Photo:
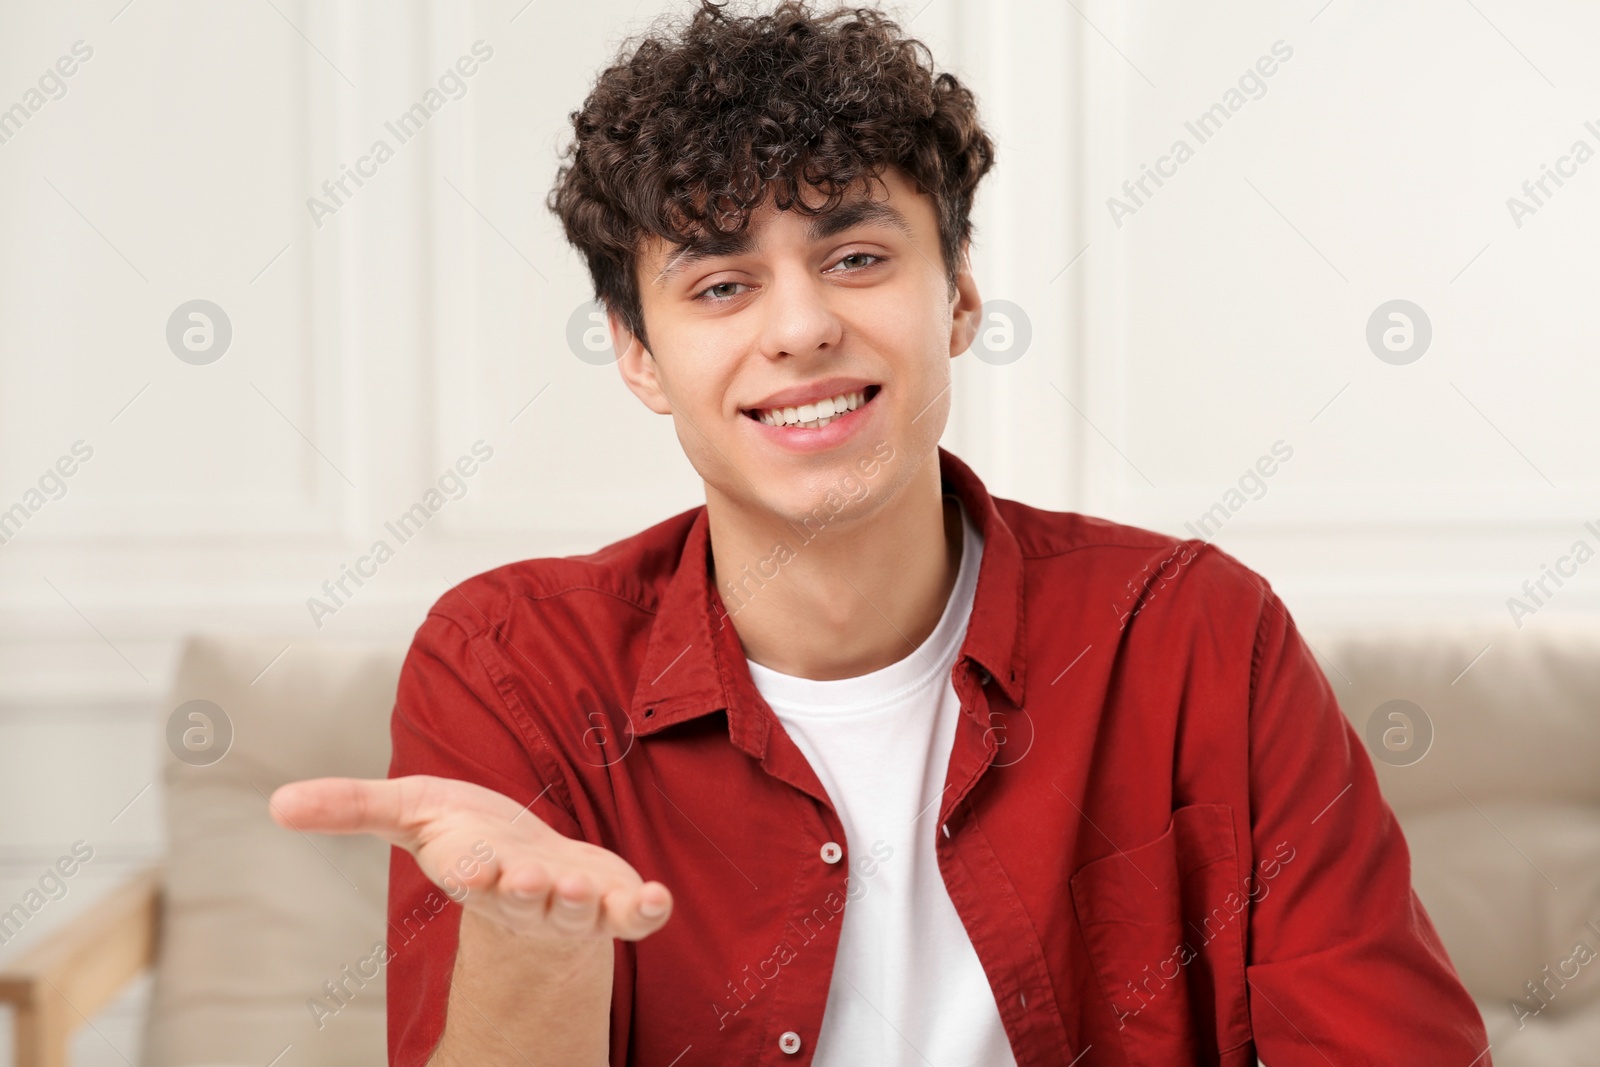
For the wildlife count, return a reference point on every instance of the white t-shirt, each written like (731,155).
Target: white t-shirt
(907,987)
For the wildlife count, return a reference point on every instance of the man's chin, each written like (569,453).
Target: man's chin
(833,488)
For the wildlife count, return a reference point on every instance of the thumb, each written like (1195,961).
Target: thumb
(390,808)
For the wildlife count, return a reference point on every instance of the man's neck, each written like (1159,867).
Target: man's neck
(855,597)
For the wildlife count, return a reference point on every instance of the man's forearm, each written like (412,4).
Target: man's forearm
(517,1001)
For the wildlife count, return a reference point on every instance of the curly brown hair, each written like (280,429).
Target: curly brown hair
(724,111)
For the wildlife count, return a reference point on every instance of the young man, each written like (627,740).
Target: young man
(856,763)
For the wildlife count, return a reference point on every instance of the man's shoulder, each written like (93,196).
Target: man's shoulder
(628,574)
(1042,532)
(1079,547)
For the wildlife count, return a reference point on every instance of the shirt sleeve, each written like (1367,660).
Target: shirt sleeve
(450,720)
(1343,964)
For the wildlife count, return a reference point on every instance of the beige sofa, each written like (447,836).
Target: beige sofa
(260,938)
(1502,815)
(244,922)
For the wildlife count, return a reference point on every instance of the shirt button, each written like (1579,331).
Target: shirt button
(789,1042)
(831,852)
(946,828)
(983,676)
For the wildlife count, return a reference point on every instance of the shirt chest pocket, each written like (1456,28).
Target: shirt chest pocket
(1164,925)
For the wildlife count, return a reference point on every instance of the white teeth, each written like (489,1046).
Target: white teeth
(816,415)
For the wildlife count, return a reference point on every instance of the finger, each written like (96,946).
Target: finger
(574,906)
(634,914)
(385,806)
(522,898)
(390,808)
(529,882)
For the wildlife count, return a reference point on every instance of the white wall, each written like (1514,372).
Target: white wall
(369,352)
(1230,310)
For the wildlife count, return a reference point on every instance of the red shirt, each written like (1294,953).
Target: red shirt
(1164,838)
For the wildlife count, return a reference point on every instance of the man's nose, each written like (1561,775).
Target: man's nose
(799,314)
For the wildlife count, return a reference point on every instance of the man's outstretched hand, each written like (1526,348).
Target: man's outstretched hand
(487,853)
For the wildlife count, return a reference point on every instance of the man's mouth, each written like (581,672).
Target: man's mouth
(816,415)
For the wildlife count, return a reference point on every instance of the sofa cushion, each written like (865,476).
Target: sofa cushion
(268,935)
(1501,812)
(1512,713)
(1511,888)
(1543,1041)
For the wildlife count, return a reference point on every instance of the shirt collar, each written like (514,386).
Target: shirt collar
(695,665)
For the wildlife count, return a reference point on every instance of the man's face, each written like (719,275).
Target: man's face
(853,304)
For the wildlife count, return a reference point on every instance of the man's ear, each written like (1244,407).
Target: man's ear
(966,308)
(637,365)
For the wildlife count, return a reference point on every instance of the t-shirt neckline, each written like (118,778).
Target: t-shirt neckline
(931,659)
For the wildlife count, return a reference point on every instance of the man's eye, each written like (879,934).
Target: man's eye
(701,295)
(861,255)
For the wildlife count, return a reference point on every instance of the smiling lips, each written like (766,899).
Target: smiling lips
(815,415)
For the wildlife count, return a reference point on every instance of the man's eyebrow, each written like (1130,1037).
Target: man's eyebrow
(855,213)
